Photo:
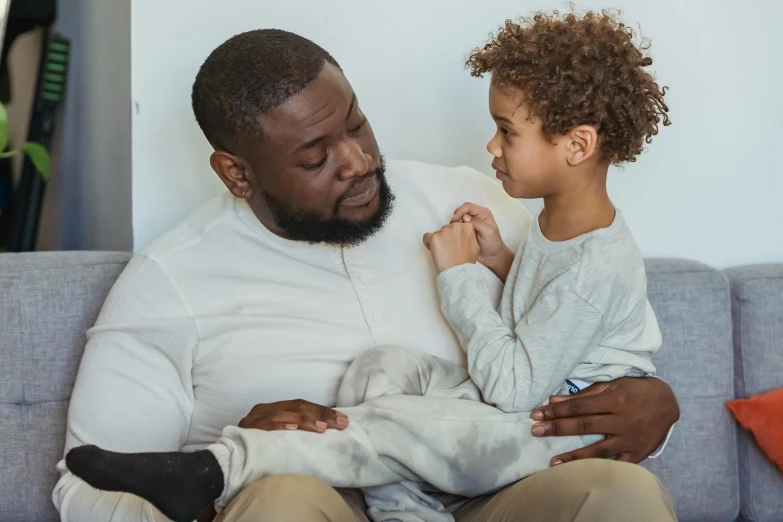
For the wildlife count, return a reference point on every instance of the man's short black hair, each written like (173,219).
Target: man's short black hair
(248,75)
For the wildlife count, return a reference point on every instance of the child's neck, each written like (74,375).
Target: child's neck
(580,209)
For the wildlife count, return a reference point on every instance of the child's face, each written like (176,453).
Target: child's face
(525,161)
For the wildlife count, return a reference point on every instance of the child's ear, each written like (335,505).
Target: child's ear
(581,144)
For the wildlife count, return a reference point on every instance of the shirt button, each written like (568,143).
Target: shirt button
(377,317)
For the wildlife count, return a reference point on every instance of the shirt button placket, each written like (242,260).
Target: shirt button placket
(364,285)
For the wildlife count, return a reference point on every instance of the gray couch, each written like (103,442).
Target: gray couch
(714,473)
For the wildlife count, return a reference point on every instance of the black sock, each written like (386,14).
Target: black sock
(180,485)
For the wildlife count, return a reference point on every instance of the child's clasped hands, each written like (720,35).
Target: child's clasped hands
(472,235)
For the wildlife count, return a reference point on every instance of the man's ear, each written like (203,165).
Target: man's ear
(232,170)
(581,144)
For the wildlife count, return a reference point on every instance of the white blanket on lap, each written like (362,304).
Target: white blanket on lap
(414,420)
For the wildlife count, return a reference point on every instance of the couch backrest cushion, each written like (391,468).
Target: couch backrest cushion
(693,307)
(758,350)
(47,303)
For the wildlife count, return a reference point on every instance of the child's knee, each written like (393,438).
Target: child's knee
(380,371)
(384,360)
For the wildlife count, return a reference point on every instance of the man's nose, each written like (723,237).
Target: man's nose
(355,162)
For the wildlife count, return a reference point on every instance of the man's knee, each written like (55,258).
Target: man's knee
(287,497)
(610,476)
(598,490)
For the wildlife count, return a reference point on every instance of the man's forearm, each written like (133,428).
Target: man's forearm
(674,415)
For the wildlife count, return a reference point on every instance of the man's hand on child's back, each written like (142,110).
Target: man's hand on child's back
(494,253)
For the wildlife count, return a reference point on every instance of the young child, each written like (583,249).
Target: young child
(570,97)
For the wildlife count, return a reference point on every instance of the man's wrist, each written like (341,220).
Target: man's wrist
(659,450)
(674,416)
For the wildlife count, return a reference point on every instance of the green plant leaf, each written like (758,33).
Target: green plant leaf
(3,128)
(9,154)
(40,158)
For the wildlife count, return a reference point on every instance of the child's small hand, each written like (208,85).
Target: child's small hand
(494,254)
(487,231)
(455,244)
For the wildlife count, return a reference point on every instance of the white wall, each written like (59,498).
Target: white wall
(710,188)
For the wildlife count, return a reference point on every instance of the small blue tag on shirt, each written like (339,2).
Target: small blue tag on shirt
(576,385)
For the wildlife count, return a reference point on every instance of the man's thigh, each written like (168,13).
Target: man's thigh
(581,491)
(299,498)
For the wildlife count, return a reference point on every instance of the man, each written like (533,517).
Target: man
(267,293)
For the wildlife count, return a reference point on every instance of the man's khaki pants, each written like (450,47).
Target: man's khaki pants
(581,491)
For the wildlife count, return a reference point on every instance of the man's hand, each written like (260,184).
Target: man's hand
(493,254)
(635,414)
(455,244)
(294,415)
(287,415)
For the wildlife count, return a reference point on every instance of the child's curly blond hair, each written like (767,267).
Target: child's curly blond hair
(579,70)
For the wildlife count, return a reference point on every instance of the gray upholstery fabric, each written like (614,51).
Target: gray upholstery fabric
(699,466)
(758,352)
(47,302)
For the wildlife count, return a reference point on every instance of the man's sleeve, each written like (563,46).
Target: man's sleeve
(133,391)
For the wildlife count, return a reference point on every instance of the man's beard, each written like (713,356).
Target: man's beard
(312,228)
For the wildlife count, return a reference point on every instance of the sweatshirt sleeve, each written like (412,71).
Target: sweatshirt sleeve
(133,391)
(518,368)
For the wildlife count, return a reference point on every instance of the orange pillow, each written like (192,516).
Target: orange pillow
(763,416)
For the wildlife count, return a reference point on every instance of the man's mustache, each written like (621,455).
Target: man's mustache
(357,181)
